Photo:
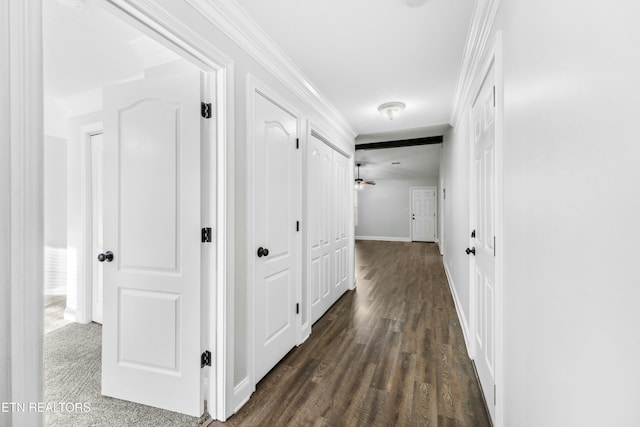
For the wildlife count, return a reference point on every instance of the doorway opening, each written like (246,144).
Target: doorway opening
(90,52)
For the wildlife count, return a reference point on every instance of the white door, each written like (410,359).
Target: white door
(277,251)
(341,184)
(484,219)
(152,292)
(423,214)
(320,207)
(328,204)
(97,175)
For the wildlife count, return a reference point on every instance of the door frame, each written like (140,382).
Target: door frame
(84,290)
(493,56)
(254,87)
(435,210)
(25,44)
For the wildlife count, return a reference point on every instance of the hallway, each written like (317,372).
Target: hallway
(389,353)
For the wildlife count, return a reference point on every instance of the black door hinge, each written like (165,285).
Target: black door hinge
(297,308)
(205,110)
(297,143)
(206,235)
(205,359)
(297,225)
(473,233)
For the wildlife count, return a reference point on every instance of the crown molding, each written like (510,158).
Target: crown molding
(161,25)
(484,14)
(236,23)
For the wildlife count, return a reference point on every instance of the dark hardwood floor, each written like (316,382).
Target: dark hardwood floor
(390,353)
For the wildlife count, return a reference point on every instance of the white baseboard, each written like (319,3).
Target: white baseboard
(69,315)
(384,238)
(461,317)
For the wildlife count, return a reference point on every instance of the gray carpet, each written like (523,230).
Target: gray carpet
(72,374)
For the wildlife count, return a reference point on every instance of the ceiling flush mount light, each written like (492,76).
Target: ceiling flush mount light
(415,3)
(391,109)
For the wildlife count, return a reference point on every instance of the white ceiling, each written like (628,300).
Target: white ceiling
(359,53)
(422,161)
(85,48)
(362,53)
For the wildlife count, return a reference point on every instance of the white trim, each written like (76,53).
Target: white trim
(247,385)
(26,262)
(384,238)
(234,21)
(84,283)
(441,199)
(23,39)
(464,324)
(305,327)
(315,131)
(164,27)
(499,206)
(352,226)
(255,86)
(222,335)
(492,57)
(482,19)
(471,265)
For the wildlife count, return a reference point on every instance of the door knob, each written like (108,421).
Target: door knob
(107,256)
(471,251)
(262,252)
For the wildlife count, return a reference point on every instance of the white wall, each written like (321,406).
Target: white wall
(5,214)
(455,234)
(571,209)
(240,383)
(384,208)
(55,215)
(55,118)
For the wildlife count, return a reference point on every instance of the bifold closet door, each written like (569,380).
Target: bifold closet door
(341,186)
(328,204)
(320,214)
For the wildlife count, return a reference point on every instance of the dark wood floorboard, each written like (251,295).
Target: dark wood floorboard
(390,353)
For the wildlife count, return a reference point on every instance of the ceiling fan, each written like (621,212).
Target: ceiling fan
(360,182)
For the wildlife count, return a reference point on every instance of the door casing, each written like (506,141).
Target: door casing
(493,57)
(257,88)
(83,312)
(159,24)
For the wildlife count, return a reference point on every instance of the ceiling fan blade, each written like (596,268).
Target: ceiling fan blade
(370,182)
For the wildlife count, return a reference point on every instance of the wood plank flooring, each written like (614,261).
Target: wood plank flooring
(390,353)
